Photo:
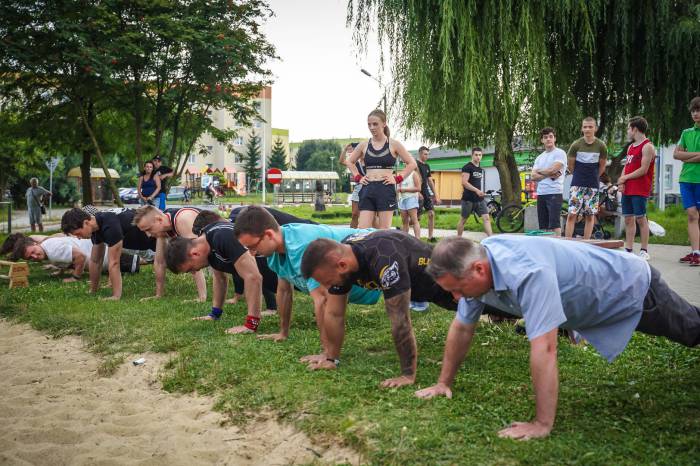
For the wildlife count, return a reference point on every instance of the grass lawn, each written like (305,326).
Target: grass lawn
(642,409)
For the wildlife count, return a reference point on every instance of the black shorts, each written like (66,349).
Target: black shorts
(427,203)
(549,211)
(129,263)
(378,197)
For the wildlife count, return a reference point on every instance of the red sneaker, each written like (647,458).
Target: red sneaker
(694,261)
(687,258)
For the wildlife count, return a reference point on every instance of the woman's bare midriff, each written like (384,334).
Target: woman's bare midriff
(378,174)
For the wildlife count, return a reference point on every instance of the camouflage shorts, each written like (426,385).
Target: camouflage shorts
(583,200)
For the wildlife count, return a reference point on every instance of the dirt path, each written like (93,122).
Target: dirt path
(55,409)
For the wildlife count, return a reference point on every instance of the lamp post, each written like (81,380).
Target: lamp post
(332,158)
(383,100)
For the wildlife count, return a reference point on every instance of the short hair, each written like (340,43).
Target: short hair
(694,104)
(33,180)
(10,242)
(591,119)
(178,253)
(254,220)
(422,148)
(143,212)
(477,149)
(73,219)
(316,253)
(20,247)
(204,218)
(454,256)
(640,123)
(547,130)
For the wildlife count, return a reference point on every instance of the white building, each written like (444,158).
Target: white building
(211,156)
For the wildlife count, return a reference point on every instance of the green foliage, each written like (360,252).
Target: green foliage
(278,156)
(310,147)
(251,160)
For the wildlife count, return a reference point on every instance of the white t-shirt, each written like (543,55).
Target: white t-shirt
(60,250)
(544,161)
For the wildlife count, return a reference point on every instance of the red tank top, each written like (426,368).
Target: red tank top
(638,186)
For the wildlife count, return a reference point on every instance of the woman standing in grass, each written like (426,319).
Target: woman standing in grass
(379,153)
(149,185)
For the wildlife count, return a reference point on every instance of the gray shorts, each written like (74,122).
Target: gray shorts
(474,206)
(34,216)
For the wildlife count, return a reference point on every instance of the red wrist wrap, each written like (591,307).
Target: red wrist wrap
(358,177)
(398,179)
(252,322)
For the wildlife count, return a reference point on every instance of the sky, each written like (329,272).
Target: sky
(319,91)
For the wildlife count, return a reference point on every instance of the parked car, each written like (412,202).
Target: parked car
(176,193)
(129,196)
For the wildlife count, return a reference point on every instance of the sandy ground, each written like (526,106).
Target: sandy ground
(55,410)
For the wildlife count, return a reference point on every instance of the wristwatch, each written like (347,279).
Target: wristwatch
(334,361)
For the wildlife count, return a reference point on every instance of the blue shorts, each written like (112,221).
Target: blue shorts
(408,203)
(634,205)
(690,195)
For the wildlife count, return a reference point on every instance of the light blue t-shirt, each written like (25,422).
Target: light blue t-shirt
(297,237)
(557,283)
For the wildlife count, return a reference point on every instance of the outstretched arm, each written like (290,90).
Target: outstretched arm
(397,308)
(284,310)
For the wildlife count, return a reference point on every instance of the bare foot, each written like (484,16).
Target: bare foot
(206,317)
(238,329)
(268,313)
(234,300)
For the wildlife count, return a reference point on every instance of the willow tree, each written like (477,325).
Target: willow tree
(475,71)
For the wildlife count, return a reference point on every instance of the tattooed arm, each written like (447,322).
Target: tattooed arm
(397,308)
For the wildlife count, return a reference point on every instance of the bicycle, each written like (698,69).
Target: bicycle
(512,217)
(493,206)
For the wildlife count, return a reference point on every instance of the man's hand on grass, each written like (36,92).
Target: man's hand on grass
(238,329)
(401,381)
(273,336)
(436,390)
(323,365)
(525,430)
(312,358)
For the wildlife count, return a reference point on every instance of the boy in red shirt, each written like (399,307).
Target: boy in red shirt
(635,184)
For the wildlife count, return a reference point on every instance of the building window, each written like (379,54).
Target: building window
(192,158)
(210,148)
(209,112)
(258,123)
(238,141)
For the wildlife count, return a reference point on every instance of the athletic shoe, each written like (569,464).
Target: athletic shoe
(694,261)
(687,258)
(644,255)
(419,306)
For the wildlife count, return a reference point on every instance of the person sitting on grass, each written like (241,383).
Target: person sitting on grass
(117,232)
(552,284)
(169,223)
(217,247)
(284,248)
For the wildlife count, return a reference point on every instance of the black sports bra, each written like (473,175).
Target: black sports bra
(381,158)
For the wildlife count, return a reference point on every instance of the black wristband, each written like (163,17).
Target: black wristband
(334,361)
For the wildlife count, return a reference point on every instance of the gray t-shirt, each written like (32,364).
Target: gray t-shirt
(34,197)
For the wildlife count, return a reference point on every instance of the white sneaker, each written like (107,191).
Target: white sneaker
(644,255)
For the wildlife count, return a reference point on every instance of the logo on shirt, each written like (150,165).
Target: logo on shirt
(423,261)
(356,237)
(389,275)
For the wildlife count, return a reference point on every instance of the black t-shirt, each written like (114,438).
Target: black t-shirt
(115,227)
(394,262)
(476,175)
(226,250)
(425,173)
(282,218)
(163,170)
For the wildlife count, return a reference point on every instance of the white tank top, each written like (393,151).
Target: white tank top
(407,184)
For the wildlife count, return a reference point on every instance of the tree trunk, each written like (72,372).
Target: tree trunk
(504,160)
(138,127)
(85,179)
(87,118)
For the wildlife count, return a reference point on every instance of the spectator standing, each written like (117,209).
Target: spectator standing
(472,195)
(586,162)
(428,191)
(149,185)
(408,202)
(635,184)
(35,205)
(688,150)
(164,173)
(548,171)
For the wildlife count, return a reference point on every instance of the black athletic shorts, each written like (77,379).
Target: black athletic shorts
(378,197)
(427,202)
(129,263)
(549,211)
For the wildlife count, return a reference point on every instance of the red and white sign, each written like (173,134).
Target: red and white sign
(274,176)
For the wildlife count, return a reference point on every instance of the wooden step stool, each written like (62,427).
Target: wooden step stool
(18,274)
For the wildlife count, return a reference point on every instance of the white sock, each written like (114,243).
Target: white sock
(697,251)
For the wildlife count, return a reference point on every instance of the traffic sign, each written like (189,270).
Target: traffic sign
(274,176)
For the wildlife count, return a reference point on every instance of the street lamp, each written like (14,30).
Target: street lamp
(383,100)
(332,162)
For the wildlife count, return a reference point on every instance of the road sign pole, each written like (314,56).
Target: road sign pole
(51,164)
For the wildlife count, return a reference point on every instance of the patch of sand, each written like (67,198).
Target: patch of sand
(55,409)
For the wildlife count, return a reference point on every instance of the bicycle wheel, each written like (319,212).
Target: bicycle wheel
(511,219)
(494,208)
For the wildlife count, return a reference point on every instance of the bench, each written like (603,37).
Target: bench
(18,273)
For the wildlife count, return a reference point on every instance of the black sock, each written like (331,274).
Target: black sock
(628,250)
(644,249)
